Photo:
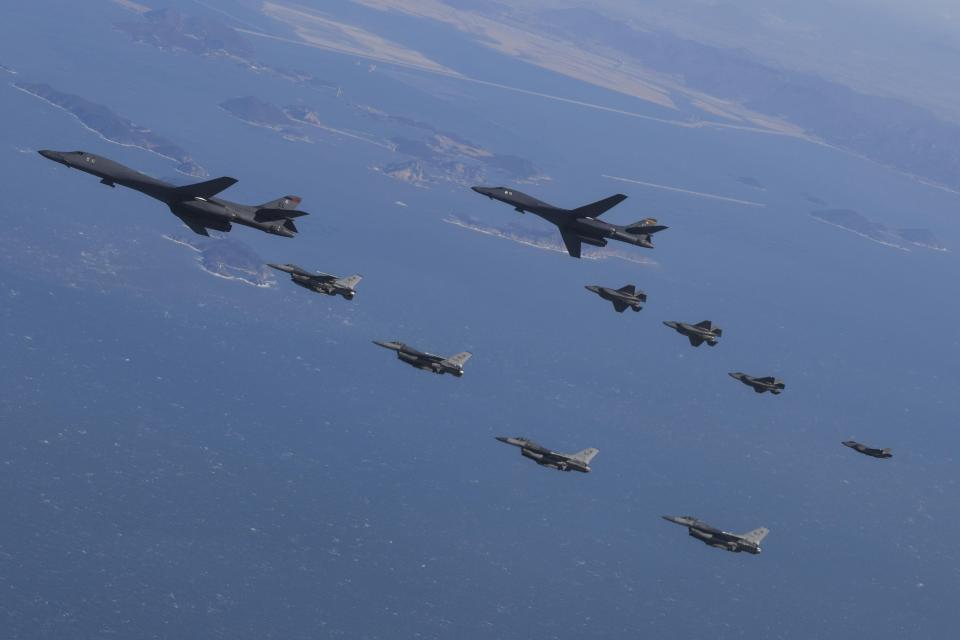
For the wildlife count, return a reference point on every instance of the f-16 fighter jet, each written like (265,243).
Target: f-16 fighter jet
(580,225)
(579,461)
(427,361)
(697,333)
(622,298)
(736,542)
(194,204)
(321,282)
(868,451)
(760,385)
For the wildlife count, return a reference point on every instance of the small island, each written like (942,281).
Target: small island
(227,258)
(899,238)
(114,128)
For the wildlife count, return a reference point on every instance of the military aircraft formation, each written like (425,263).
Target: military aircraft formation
(197,206)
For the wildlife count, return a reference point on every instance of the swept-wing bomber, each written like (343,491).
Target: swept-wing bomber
(623,298)
(427,361)
(868,451)
(544,457)
(697,333)
(736,542)
(760,385)
(581,225)
(321,282)
(194,204)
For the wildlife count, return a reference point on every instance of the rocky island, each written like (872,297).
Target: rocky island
(228,259)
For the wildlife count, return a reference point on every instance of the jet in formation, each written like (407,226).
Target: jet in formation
(321,282)
(736,542)
(579,226)
(697,333)
(622,298)
(868,451)
(760,385)
(427,361)
(579,461)
(194,204)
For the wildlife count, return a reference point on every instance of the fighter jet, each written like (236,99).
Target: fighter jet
(736,542)
(868,451)
(427,361)
(321,282)
(760,385)
(579,461)
(622,298)
(580,225)
(194,204)
(697,333)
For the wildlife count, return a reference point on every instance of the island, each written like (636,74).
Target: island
(899,238)
(228,259)
(114,128)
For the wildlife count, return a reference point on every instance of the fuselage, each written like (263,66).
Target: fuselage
(215,213)
(421,360)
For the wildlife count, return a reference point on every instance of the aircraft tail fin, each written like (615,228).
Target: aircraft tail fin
(204,190)
(286,202)
(886,452)
(586,455)
(458,360)
(350,282)
(647,226)
(756,536)
(598,208)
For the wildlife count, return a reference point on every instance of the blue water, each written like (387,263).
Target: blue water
(189,457)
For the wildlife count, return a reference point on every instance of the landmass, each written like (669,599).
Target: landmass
(174,31)
(432,157)
(7,69)
(857,223)
(227,258)
(547,240)
(114,128)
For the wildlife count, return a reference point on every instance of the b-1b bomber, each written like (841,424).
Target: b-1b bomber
(711,536)
(321,282)
(760,385)
(697,333)
(626,297)
(427,361)
(579,226)
(194,204)
(544,457)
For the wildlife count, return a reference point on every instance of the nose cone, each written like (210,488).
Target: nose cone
(395,346)
(503,439)
(670,323)
(484,191)
(56,156)
(592,287)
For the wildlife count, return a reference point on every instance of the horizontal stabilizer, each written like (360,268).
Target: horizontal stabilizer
(204,190)
(271,215)
(596,209)
(647,227)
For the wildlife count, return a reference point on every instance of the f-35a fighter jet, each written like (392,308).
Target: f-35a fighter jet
(697,333)
(622,298)
(579,461)
(194,204)
(868,451)
(580,225)
(321,282)
(427,361)
(736,542)
(760,385)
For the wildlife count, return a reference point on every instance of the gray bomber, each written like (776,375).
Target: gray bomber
(868,451)
(735,542)
(760,385)
(544,457)
(427,361)
(321,282)
(697,333)
(623,298)
(580,225)
(194,204)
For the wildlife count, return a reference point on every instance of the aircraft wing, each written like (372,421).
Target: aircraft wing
(598,208)
(203,190)
(572,242)
(201,227)
(620,306)
(320,277)
(696,340)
